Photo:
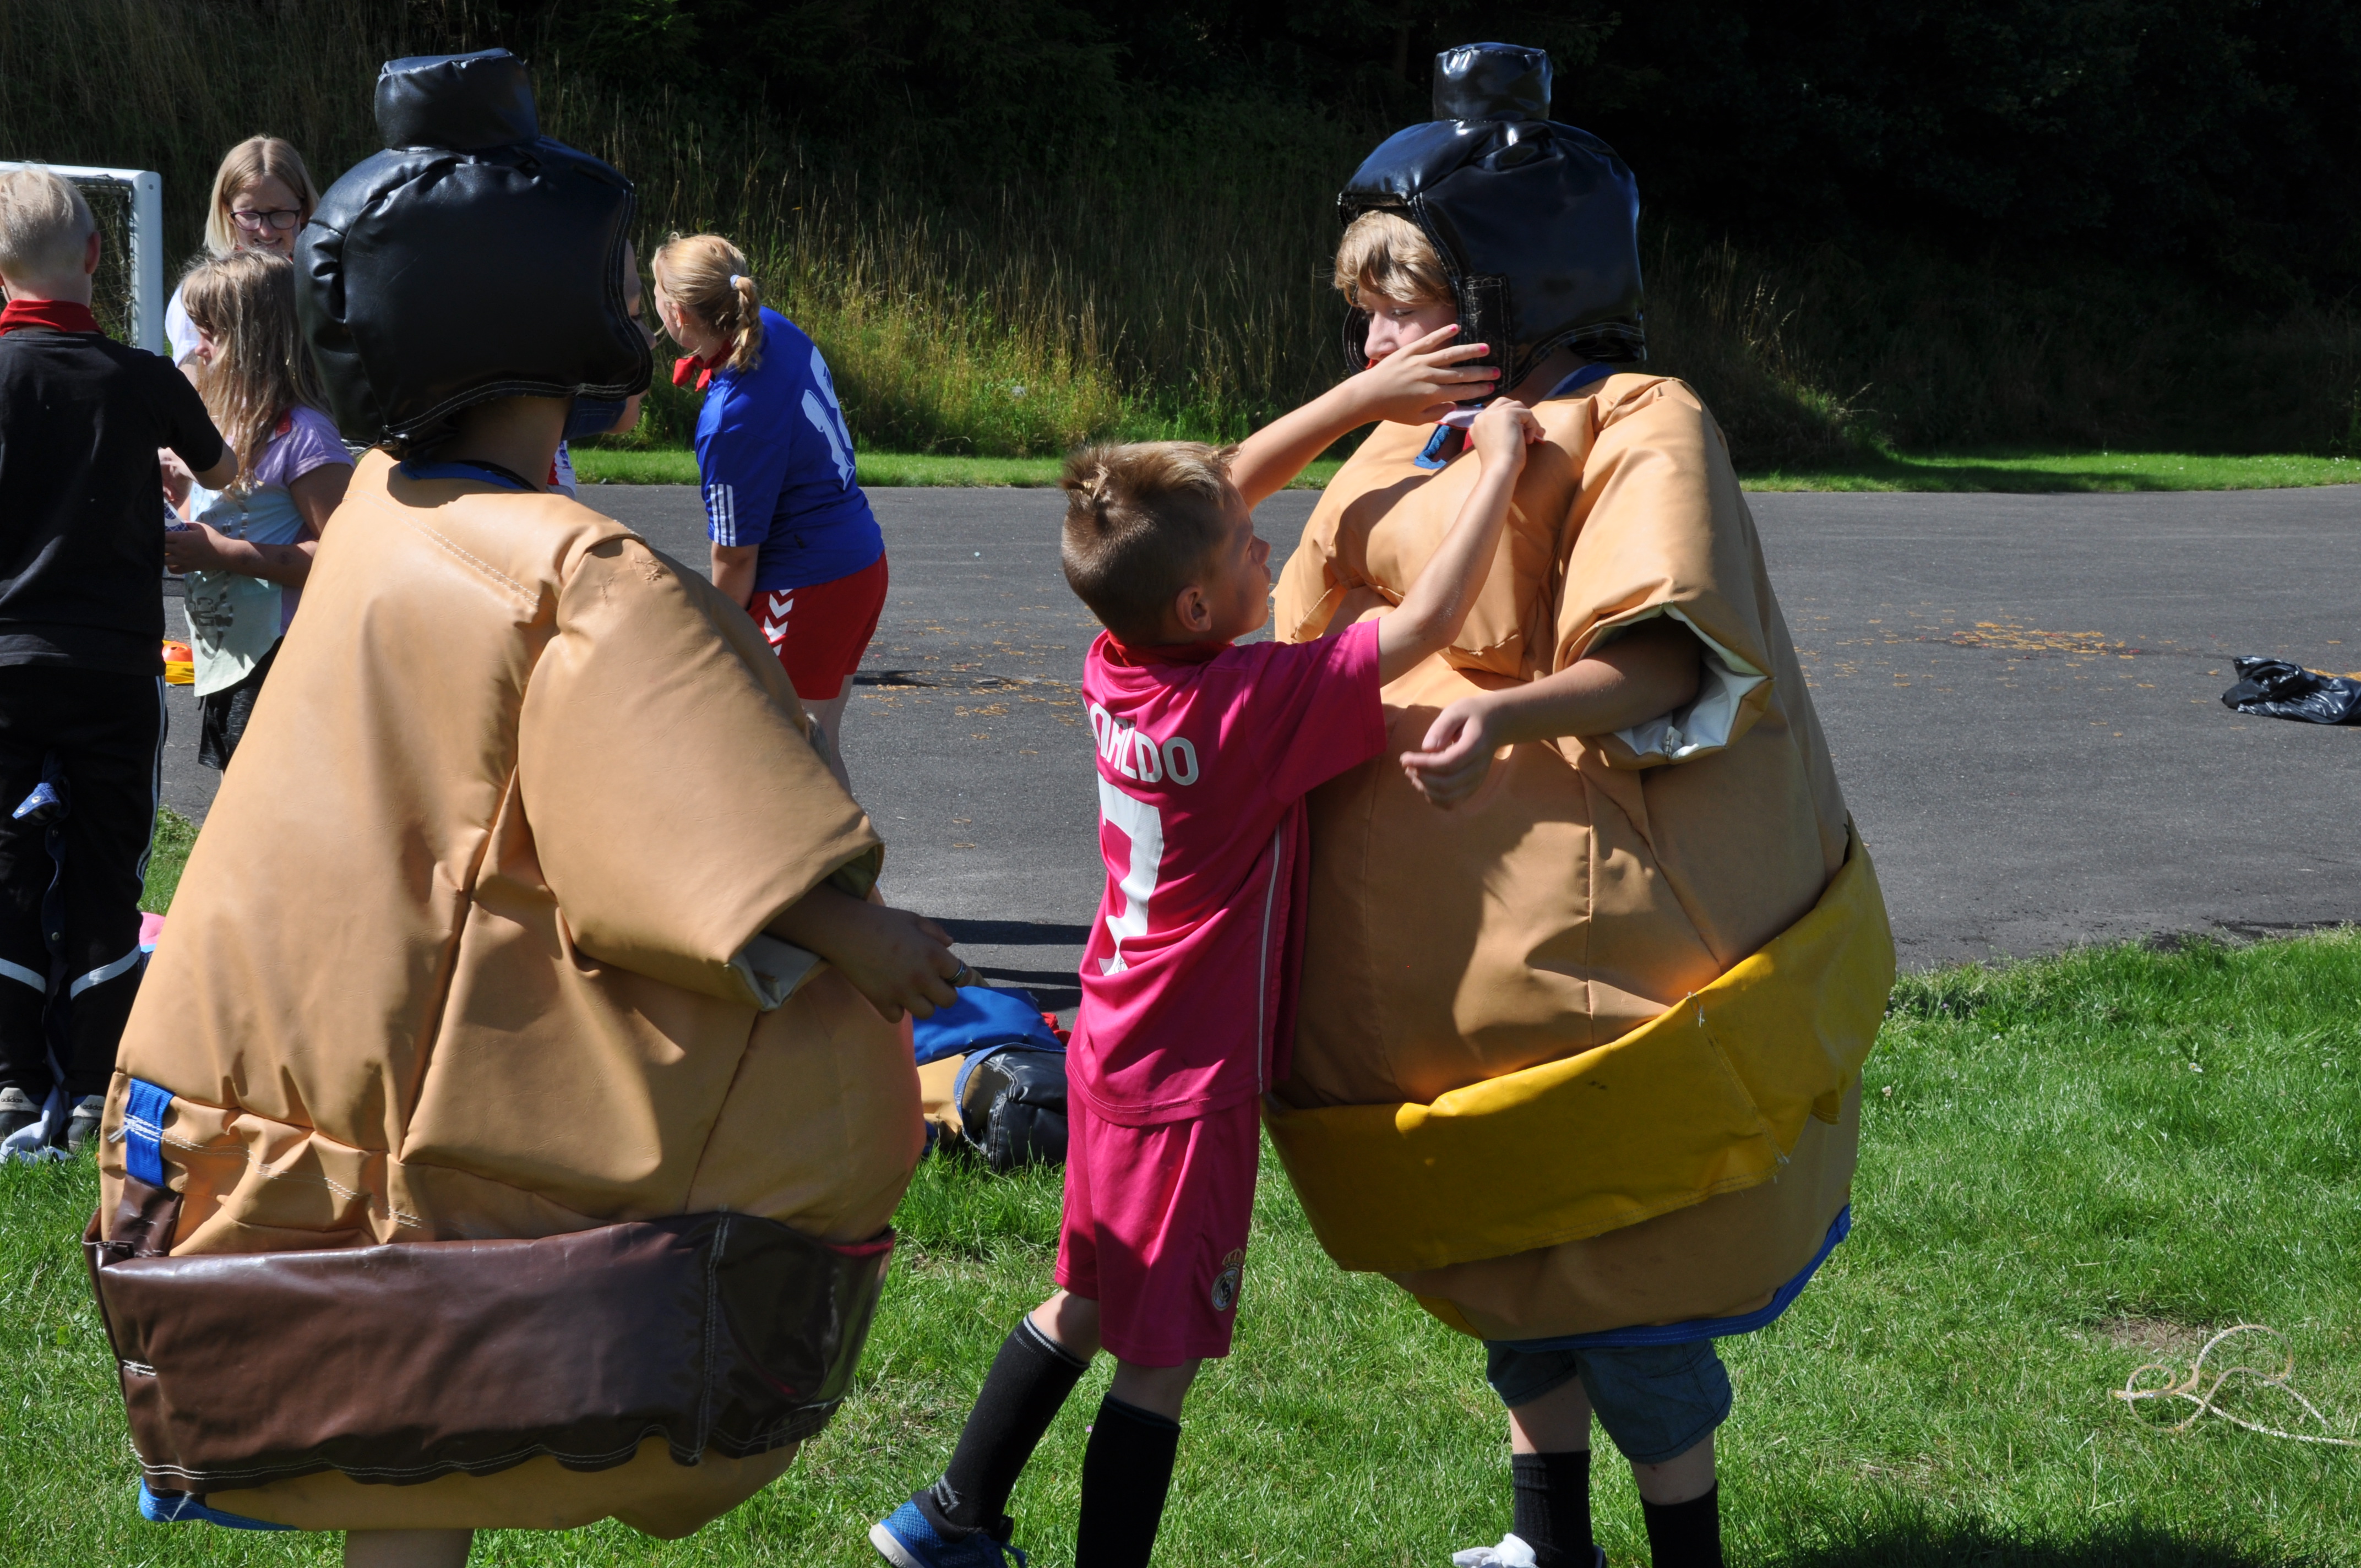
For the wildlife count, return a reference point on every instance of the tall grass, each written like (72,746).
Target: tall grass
(1174,281)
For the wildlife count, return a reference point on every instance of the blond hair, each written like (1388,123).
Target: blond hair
(707,276)
(249,163)
(45,226)
(1142,521)
(1387,255)
(260,368)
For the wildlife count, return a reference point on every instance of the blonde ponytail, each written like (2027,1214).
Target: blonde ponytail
(707,276)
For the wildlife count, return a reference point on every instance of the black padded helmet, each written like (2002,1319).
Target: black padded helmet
(1537,223)
(473,258)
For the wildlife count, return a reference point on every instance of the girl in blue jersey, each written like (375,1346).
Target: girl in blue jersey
(793,537)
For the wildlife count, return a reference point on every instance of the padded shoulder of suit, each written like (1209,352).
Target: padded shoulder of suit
(1621,397)
(506,533)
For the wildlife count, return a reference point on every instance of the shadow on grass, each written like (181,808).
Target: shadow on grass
(1896,1544)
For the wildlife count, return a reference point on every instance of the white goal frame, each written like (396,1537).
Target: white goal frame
(149,295)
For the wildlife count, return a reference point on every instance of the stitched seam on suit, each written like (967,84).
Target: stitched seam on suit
(441,1467)
(452,548)
(253,1163)
(587,1221)
(712,1330)
(814,1417)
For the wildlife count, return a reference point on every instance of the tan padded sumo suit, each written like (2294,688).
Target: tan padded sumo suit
(1579,1058)
(473,1158)
(1582,1053)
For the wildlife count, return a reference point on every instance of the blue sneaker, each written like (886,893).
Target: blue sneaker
(907,1538)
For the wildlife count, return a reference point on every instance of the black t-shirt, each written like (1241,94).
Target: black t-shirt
(82,507)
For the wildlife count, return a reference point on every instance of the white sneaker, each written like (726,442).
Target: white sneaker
(1512,1552)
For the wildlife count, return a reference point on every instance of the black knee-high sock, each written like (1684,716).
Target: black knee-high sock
(1553,1513)
(1022,1394)
(1685,1535)
(1127,1471)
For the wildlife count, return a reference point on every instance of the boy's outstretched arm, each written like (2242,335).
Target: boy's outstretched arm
(1436,606)
(1648,672)
(1416,385)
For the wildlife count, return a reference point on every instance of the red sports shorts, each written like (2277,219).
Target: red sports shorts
(819,632)
(1155,1228)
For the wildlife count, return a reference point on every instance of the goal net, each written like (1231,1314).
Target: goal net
(128,295)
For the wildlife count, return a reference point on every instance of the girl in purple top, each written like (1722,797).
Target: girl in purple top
(246,549)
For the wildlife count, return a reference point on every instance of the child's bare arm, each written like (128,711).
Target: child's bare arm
(1436,606)
(1645,674)
(1414,385)
(894,957)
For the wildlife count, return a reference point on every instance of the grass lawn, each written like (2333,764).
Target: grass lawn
(2021,472)
(168,854)
(2080,471)
(2066,1163)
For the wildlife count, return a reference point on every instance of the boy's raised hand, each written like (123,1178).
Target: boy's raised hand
(1435,607)
(1419,382)
(1502,432)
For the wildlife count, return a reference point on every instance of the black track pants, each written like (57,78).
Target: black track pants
(67,980)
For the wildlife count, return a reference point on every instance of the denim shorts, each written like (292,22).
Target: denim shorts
(1656,1401)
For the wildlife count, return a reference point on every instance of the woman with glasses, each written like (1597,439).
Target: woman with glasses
(262,195)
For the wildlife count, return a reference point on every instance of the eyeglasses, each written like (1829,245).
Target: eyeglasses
(282,219)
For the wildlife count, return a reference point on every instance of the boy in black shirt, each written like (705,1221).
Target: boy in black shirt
(81,693)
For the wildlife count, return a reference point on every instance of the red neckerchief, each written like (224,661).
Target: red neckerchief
(689,364)
(58,315)
(1122,652)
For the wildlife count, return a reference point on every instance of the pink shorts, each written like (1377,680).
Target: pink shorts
(819,632)
(1155,1229)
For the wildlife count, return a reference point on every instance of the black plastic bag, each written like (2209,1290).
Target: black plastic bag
(2277,689)
(1012,1105)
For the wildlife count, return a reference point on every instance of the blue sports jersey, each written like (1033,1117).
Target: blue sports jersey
(775,461)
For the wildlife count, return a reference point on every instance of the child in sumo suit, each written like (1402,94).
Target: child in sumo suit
(507,1133)
(1206,748)
(1597,1104)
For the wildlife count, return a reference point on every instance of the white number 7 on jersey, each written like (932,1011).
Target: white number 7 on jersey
(1144,825)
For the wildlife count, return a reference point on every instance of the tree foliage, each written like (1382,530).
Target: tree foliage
(2216,136)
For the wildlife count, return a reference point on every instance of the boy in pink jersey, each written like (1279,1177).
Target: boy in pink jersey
(1206,751)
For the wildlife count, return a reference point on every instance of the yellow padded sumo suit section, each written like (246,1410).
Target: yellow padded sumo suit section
(463,951)
(1711,1096)
(1590,887)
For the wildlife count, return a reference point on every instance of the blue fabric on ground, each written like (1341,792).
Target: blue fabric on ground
(180,1507)
(1699,1328)
(983,1016)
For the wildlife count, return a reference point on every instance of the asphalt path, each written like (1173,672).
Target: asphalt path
(2022,693)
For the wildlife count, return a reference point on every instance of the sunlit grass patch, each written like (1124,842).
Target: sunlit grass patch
(2070,1167)
(2062,472)
(167,856)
